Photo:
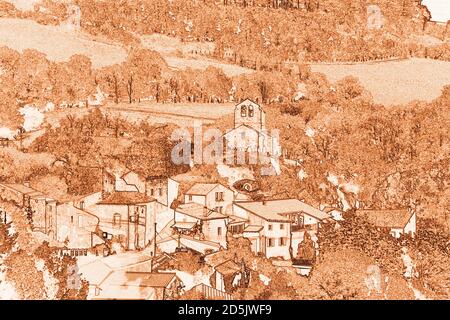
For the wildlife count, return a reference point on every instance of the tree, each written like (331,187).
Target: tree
(141,71)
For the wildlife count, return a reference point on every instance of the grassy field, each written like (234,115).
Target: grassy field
(182,114)
(394,82)
(57,42)
(171,48)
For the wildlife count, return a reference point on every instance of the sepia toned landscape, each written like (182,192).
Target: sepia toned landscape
(224,150)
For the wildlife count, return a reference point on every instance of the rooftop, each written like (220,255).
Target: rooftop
(32,193)
(276,210)
(228,267)
(140,279)
(198,211)
(127,197)
(236,220)
(253,228)
(387,218)
(201,189)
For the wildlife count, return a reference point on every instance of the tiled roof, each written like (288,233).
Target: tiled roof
(20,188)
(127,197)
(253,228)
(228,267)
(198,211)
(201,189)
(140,279)
(235,219)
(276,210)
(387,218)
(184,225)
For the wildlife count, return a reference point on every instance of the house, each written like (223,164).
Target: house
(249,134)
(336,213)
(126,285)
(84,201)
(128,216)
(43,208)
(77,228)
(275,227)
(174,243)
(229,54)
(213,196)
(163,189)
(127,276)
(236,225)
(396,222)
(4,142)
(230,275)
(197,221)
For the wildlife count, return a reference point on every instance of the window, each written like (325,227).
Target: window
(218,209)
(300,221)
(71,219)
(270,227)
(251,112)
(160,191)
(82,205)
(116,219)
(283,242)
(270,242)
(281,226)
(152,192)
(190,198)
(219,231)
(243,111)
(219,196)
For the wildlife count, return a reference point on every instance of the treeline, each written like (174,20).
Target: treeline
(390,157)
(259,35)
(30,78)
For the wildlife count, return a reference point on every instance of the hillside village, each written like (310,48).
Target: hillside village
(125,232)
(234,150)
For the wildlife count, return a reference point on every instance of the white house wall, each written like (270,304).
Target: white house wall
(134,180)
(226,204)
(181,217)
(210,230)
(276,233)
(172,191)
(195,198)
(410,227)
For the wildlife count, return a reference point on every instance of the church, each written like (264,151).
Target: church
(249,133)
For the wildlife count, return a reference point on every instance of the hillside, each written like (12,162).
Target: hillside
(57,42)
(394,82)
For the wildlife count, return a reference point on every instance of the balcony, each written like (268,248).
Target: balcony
(303,227)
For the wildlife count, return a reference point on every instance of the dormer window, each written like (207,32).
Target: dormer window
(243,111)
